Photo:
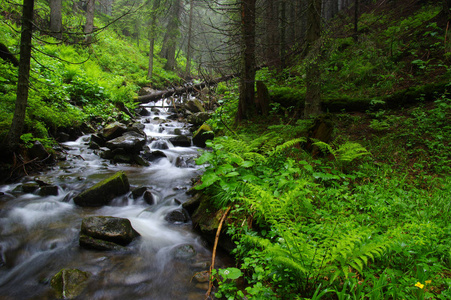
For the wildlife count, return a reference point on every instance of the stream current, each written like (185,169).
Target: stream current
(39,235)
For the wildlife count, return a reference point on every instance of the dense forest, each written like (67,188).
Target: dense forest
(322,127)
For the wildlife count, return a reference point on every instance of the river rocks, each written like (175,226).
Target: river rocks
(145,193)
(69,283)
(198,119)
(113,130)
(106,233)
(30,187)
(204,133)
(194,106)
(177,216)
(206,220)
(184,252)
(154,155)
(181,141)
(131,142)
(103,192)
(203,276)
(48,190)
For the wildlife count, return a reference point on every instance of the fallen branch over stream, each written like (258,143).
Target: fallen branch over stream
(181,90)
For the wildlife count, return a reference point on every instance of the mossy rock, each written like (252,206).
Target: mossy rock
(103,192)
(69,283)
(206,219)
(204,133)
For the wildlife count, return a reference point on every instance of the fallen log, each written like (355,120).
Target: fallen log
(181,90)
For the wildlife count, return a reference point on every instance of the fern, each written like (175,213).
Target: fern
(286,145)
(347,152)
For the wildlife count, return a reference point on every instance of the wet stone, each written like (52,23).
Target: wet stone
(203,276)
(69,283)
(48,190)
(177,216)
(30,187)
(184,252)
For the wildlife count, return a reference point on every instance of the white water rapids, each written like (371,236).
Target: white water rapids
(39,235)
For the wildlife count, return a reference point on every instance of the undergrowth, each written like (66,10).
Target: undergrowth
(366,219)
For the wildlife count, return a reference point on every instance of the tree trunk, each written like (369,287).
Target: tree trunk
(446,8)
(190,29)
(313,76)
(89,26)
(356,20)
(13,137)
(152,36)
(283,28)
(56,20)
(272,35)
(246,106)
(170,38)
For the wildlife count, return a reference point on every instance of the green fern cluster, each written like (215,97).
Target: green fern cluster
(334,252)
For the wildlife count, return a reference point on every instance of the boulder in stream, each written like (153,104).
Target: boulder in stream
(185,251)
(177,216)
(113,130)
(130,141)
(103,192)
(203,134)
(181,141)
(69,283)
(198,119)
(106,233)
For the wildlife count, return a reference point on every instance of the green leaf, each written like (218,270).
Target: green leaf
(205,157)
(208,179)
(230,273)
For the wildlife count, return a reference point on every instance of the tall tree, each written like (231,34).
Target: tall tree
(190,35)
(356,20)
(13,137)
(272,32)
(172,33)
(152,35)
(89,26)
(447,7)
(246,106)
(56,20)
(313,76)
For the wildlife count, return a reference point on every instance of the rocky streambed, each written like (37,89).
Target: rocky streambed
(111,220)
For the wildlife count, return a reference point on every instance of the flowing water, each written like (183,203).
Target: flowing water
(39,235)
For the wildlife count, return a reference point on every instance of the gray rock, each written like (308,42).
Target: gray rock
(181,141)
(139,160)
(113,130)
(177,216)
(130,141)
(110,229)
(154,155)
(198,119)
(184,252)
(103,192)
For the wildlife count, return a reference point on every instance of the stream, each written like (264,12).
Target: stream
(39,236)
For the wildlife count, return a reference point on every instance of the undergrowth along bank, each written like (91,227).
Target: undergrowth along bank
(367,219)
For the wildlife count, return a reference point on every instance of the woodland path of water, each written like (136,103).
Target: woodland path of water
(39,235)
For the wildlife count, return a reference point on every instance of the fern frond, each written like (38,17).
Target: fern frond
(286,145)
(350,151)
(324,147)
